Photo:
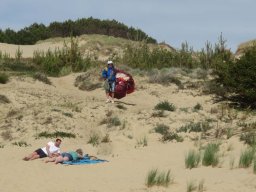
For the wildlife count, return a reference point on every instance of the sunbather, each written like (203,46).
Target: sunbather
(52,149)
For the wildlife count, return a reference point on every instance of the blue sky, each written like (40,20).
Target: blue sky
(172,21)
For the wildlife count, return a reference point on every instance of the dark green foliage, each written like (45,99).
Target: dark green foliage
(4,78)
(56,134)
(162,129)
(239,77)
(165,105)
(36,32)
(197,107)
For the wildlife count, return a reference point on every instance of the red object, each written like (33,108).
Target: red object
(124,84)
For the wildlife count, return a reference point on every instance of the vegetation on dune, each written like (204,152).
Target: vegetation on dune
(35,32)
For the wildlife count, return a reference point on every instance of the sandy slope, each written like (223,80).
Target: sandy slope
(37,107)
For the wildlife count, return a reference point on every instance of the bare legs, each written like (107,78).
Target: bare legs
(110,97)
(32,156)
(57,160)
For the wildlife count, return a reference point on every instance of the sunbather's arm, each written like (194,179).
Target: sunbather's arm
(48,150)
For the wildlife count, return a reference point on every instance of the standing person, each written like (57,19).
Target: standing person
(109,74)
(50,150)
(67,156)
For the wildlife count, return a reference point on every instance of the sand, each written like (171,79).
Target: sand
(37,107)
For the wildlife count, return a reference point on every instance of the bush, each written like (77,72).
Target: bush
(162,129)
(4,78)
(192,159)
(165,105)
(239,76)
(210,156)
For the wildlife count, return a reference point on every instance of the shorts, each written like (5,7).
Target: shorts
(70,158)
(112,86)
(41,153)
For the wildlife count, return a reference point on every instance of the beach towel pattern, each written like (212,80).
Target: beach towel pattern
(86,160)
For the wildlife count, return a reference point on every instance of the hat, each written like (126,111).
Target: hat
(110,62)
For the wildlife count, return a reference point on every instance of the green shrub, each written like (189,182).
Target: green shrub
(4,78)
(246,157)
(162,129)
(56,134)
(210,156)
(239,76)
(192,159)
(165,105)
(197,107)
(158,179)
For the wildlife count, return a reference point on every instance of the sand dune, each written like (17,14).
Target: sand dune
(37,107)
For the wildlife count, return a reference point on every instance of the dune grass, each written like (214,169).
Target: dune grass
(210,156)
(246,157)
(192,159)
(56,134)
(166,106)
(156,178)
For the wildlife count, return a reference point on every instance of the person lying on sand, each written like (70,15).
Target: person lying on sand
(69,156)
(52,149)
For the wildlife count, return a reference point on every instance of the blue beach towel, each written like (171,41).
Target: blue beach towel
(86,160)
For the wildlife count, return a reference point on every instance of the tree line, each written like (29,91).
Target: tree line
(35,32)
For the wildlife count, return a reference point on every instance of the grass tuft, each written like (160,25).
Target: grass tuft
(166,106)
(210,156)
(94,139)
(158,179)
(192,159)
(246,157)
(56,134)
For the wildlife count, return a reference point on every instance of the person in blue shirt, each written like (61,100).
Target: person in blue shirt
(109,74)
